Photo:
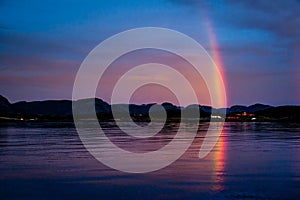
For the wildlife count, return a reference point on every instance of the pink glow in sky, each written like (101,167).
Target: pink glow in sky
(256,45)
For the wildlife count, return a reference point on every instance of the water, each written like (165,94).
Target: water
(250,161)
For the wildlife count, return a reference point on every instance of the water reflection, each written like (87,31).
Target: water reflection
(219,156)
(257,160)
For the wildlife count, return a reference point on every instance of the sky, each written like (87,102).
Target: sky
(43,43)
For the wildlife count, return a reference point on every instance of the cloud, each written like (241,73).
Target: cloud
(33,44)
(44,42)
(279,17)
(259,42)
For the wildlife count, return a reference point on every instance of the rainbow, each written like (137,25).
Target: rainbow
(216,56)
(219,154)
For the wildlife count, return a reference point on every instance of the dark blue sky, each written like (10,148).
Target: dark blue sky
(42,43)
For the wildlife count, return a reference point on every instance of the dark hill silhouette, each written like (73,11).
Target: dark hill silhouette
(62,110)
(47,108)
(257,107)
(5,107)
(237,109)
(282,113)
(249,109)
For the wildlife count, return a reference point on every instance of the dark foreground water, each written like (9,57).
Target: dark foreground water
(250,161)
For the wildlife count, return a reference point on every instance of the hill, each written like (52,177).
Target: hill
(61,110)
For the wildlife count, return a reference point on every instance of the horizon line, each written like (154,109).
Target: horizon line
(147,103)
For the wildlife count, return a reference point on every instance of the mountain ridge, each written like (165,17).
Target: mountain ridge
(62,110)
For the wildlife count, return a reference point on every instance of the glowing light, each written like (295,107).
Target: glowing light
(219,158)
(219,155)
(217,60)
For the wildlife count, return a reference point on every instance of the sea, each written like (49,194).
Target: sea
(251,160)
